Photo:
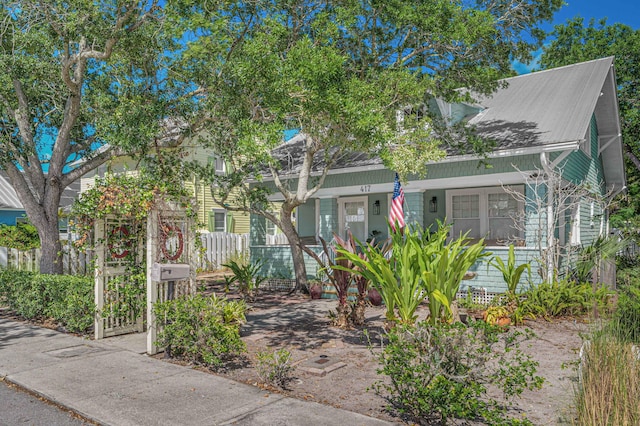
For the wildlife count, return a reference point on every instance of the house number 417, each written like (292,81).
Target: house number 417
(365,188)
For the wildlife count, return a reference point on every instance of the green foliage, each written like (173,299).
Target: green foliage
(22,236)
(577,41)
(275,367)
(563,298)
(340,72)
(127,196)
(125,295)
(440,372)
(591,256)
(510,272)
(420,265)
(626,318)
(202,330)
(246,276)
(64,298)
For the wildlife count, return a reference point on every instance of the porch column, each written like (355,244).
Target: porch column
(328,217)
(414,208)
(257,230)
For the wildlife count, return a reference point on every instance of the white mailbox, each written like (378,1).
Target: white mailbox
(169,271)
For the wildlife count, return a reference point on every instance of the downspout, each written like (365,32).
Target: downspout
(544,160)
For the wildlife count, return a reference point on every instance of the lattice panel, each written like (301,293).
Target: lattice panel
(479,296)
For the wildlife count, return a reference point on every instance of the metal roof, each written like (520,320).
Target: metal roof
(8,197)
(539,112)
(543,107)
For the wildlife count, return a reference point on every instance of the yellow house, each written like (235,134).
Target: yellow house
(212,217)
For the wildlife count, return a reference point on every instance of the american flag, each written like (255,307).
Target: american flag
(397,212)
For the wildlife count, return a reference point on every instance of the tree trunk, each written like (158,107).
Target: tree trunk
(51,249)
(297,253)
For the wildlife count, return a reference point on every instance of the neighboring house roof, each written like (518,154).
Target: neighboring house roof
(8,197)
(543,111)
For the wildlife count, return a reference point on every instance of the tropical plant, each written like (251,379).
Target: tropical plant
(443,266)
(419,265)
(510,272)
(247,276)
(340,275)
(562,298)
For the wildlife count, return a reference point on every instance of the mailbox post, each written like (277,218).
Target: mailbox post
(170,272)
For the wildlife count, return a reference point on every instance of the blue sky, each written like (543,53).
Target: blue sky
(623,11)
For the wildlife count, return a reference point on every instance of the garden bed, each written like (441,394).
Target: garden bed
(300,325)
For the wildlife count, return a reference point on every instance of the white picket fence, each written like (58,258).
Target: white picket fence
(74,262)
(217,248)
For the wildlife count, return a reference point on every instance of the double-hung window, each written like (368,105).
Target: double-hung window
(490,213)
(218,220)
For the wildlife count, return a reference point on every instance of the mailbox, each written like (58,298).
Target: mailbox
(169,271)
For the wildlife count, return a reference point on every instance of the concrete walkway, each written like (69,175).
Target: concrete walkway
(110,384)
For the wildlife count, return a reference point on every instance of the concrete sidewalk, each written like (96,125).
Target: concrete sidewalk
(114,386)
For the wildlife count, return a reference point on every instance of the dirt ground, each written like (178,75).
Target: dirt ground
(311,338)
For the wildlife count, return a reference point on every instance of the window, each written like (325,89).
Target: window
(585,145)
(218,221)
(218,162)
(491,213)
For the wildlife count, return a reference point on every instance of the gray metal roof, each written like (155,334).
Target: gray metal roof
(8,197)
(543,107)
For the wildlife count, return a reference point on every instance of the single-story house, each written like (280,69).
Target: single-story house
(12,210)
(558,125)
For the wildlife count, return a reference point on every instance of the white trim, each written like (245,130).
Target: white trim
(341,220)
(606,145)
(555,147)
(494,179)
(316,212)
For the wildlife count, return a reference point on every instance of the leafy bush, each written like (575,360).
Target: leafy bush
(22,236)
(201,329)
(275,367)
(563,298)
(67,299)
(440,372)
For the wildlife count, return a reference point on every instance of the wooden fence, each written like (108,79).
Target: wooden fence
(217,248)
(74,262)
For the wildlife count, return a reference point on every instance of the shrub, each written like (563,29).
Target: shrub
(563,298)
(440,372)
(275,367)
(67,299)
(22,236)
(201,329)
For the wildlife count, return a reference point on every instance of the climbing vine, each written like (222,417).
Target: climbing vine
(124,202)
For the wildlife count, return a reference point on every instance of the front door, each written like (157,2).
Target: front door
(353,217)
